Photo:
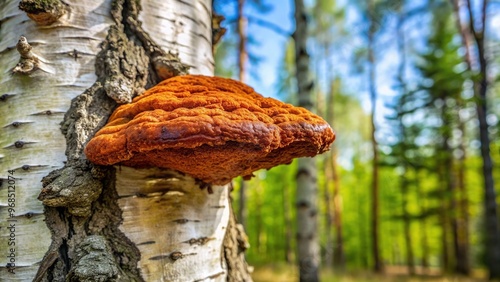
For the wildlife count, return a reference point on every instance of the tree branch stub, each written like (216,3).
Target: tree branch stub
(43,12)
(29,62)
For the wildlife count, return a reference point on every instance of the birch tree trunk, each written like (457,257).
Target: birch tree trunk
(307,190)
(105,223)
(32,107)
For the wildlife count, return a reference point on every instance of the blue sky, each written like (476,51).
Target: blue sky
(270,48)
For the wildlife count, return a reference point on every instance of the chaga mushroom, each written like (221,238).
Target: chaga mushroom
(211,128)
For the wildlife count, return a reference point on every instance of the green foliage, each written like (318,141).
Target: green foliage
(225,64)
(426,139)
(226,57)
(286,75)
(266,221)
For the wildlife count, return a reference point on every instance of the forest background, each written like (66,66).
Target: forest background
(404,194)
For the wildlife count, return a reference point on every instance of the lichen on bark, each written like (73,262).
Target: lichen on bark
(93,262)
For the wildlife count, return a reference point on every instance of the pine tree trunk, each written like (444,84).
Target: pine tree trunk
(405,182)
(242,36)
(326,109)
(463,265)
(307,191)
(451,186)
(242,58)
(473,37)
(328,204)
(242,200)
(444,217)
(407,224)
(423,224)
(377,260)
(338,248)
(288,224)
(338,251)
(103,228)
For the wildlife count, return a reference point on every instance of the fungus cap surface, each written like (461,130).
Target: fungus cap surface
(211,128)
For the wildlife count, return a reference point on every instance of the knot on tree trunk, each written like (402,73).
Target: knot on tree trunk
(43,12)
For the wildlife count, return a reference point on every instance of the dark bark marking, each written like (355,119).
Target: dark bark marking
(75,54)
(17,124)
(176,256)
(47,113)
(172,256)
(313,213)
(162,257)
(29,167)
(198,241)
(211,277)
(303,205)
(204,185)
(185,220)
(303,172)
(146,243)
(181,221)
(19,144)
(4,97)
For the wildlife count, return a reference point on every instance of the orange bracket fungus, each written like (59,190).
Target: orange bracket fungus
(211,128)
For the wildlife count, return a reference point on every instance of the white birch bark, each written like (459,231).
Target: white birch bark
(178,227)
(307,190)
(34,107)
(36,103)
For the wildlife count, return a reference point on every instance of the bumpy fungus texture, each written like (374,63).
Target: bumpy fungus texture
(211,128)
